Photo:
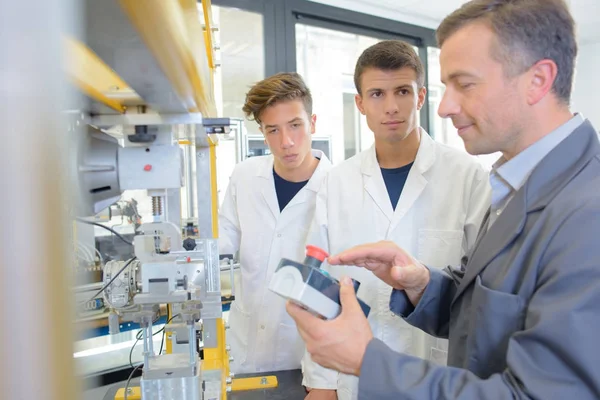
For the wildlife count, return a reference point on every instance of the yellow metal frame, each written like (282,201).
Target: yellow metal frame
(217,358)
(135,393)
(91,75)
(259,382)
(167,28)
(208,25)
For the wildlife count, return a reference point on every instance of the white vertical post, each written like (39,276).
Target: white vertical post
(36,339)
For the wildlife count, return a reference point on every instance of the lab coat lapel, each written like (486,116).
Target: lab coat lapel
(416,181)
(374,184)
(267,187)
(314,183)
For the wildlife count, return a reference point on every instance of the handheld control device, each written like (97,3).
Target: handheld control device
(310,286)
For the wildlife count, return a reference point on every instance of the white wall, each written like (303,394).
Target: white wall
(586,93)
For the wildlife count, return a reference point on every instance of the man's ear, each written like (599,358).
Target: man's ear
(422,96)
(541,78)
(313,124)
(359,103)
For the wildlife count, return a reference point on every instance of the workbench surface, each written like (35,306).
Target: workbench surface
(290,388)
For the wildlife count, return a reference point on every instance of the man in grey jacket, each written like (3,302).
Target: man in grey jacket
(522,313)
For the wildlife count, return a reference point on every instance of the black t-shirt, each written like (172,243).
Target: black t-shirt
(394,179)
(286,190)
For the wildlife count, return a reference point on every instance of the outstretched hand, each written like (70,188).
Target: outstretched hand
(389,263)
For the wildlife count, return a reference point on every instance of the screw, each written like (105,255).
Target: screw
(129,390)
(228,348)
(231,375)
(228,380)
(263,381)
(228,389)
(230,359)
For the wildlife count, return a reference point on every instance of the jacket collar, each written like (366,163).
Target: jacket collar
(548,178)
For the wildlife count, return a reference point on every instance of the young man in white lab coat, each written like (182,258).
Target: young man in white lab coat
(406,188)
(266,215)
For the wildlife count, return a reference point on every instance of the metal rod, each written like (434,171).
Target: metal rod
(227,267)
(192,342)
(145,341)
(232,277)
(150,341)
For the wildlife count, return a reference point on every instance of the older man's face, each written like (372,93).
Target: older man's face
(487,108)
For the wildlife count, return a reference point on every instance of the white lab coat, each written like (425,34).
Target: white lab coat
(263,337)
(436,220)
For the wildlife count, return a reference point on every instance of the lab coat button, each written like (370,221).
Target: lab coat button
(262,327)
(279,235)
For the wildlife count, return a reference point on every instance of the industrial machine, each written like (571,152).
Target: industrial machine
(162,271)
(145,72)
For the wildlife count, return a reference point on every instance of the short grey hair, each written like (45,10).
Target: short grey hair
(527,31)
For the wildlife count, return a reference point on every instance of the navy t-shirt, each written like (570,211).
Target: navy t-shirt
(394,179)
(286,190)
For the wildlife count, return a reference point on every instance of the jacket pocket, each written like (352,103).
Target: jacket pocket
(440,248)
(496,316)
(237,336)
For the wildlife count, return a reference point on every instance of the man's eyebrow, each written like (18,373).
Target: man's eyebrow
(289,122)
(404,86)
(458,74)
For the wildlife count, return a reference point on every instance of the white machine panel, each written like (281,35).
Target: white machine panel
(152,167)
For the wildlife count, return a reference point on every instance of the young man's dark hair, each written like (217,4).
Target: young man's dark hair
(389,55)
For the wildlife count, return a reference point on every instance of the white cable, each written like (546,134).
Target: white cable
(83,249)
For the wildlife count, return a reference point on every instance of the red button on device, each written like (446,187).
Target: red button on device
(316,252)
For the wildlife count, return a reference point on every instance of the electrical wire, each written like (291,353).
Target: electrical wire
(162,342)
(103,288)
(138,337)
(129,380)
(105,227)
(86,251)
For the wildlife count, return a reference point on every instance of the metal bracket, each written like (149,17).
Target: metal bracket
(104,121)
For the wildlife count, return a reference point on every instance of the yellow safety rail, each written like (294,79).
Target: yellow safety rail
(93,77)
(168,29)
(217,358)
(208,29)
